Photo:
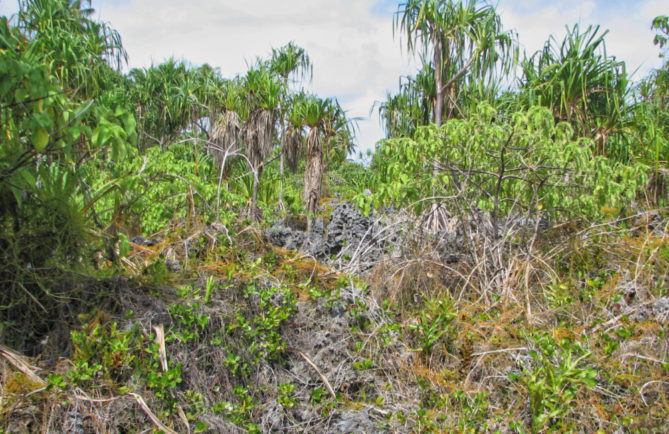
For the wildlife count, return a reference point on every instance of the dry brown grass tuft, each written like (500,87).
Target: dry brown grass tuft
(597,294)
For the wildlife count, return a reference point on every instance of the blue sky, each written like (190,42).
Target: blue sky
(351,44)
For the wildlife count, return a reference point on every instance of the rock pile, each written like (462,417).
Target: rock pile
(355,243)
(350,239)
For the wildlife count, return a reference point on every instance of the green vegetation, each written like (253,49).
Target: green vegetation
(521,284)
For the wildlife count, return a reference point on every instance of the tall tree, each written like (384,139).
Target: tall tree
(464,42)
(292,139)
(161,99)
(226,133)
(265,91)
(580,83)
(461,40)
(286,61)
(80,51)
(338,132)
(315,112)
(412,106)
(174,97)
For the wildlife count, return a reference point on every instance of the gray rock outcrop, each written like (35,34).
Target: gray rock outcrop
(349,240)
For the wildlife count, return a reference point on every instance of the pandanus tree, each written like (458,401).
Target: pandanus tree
(292,139)
(411,107)
(315,112)
(172,98)
(82,53)
(394,115)
(329,141)
(338,133)
(162,106)
(580,83)
(207,97)
(286,61)
(226,133)
(463,42)
(264,94)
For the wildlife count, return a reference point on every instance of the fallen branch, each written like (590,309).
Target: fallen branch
(613,321)
(318,371)
(505,350)
(151,415)
(81,396)
(648,384)
(21,363)
(160,337)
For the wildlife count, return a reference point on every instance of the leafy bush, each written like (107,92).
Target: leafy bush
(434,324)
(558,374)
(523,163)
(161,185)
(58,113)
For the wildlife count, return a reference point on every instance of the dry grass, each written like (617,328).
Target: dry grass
(501,358)
(596,293)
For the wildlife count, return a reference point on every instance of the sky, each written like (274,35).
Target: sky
(355,55)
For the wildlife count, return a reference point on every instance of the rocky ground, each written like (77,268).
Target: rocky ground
(363,326)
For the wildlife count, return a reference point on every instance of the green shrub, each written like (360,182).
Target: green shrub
(523,162)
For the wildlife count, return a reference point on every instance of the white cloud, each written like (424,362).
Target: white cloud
(629,37)
(354,53)
(8,7)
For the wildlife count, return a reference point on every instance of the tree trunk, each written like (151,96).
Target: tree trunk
(260,138)
(439,99)
(254,198)
(281,172)
(437,216)
(434,222)
(313,176)
(281,167)
(441,87)
(284,130)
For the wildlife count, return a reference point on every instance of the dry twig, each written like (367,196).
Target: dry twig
(318,371)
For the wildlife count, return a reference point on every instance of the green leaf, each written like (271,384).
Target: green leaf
(123,245)
(40,139)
